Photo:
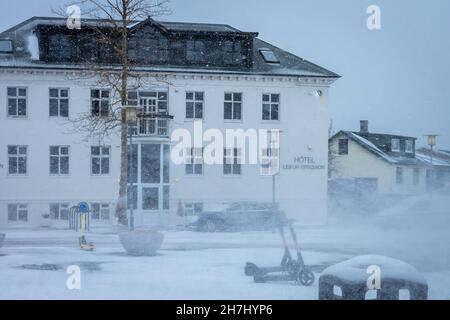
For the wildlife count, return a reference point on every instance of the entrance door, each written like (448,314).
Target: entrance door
(153,180)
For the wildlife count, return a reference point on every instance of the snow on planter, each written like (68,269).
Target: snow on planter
(141,242)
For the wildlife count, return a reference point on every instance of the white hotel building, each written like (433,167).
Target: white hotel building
(215,74)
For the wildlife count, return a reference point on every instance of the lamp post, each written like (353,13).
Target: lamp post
(431,141)
(274,143)
(131,118)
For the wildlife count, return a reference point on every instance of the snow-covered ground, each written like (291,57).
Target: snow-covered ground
(194,265)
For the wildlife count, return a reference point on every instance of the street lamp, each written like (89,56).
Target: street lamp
(431,141)
(131,113)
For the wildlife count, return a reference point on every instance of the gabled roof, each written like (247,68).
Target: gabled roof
(440,157)
(289,64)
(377,151)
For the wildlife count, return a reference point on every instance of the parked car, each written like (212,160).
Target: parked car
(238,216)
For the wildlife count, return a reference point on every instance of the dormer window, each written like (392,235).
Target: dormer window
(409,146)
(269,56)
(395,145)
(6,46)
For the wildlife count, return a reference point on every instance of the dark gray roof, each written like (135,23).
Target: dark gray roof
(290,64)
(370,143)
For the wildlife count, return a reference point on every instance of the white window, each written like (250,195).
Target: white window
(395,145)
(271,106)
(100,102)
(232,161)
(409,146)
(233,106)
(194,161)
(59,211)
(59,102)
(17,102)
(100,211)
(270,154)
(100,158)
(59,160)
(17,160)
(193,208)
(194,105)
(399,175)
(416,176)
(18,212)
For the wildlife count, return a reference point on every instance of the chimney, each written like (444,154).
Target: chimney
(364,126)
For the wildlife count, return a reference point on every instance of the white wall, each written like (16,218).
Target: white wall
(303,119)
(361,163)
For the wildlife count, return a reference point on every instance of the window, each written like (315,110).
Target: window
(232,52)
(100,102)
(409,146)
(343,147)
(270,154)
(416,176)
(195,51)
(17,159)
(271,104)
(152,102)
(17,102)
(6,46)
(59,211)
(100,160)
(166,197)
(194,161)
(232,161)
(194,105)
(100,211)
(233,106)
(18,212)
(59,102)
(59,160)
(150,198)
(193,208)
(395,145)
(399,175)
(269,56)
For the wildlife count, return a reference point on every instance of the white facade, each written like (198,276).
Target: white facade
(301,187)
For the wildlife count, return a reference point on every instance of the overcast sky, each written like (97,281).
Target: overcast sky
(398,78)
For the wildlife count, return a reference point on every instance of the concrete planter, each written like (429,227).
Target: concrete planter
(141,242)
(2,239)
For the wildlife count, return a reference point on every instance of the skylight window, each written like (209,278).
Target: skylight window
(6,46)
(269,56)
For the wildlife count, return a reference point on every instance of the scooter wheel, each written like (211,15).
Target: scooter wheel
(250,269)
(306,277)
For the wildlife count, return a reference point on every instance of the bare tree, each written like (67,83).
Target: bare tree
(111,22)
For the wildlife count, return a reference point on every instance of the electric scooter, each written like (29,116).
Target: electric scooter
(290,269)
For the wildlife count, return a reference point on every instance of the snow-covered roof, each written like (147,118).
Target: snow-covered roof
(289,65)
(437,159)
(377,151)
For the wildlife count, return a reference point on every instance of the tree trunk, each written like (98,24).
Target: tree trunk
(121,208)
(122,203)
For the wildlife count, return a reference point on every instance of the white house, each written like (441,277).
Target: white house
(215,75)
(376,164)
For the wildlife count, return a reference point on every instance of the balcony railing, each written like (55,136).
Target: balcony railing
(150,124)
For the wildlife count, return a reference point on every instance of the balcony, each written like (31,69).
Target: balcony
(153,125)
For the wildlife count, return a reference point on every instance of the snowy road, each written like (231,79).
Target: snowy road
(198,265)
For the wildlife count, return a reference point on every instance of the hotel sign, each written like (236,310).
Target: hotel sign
(303,163)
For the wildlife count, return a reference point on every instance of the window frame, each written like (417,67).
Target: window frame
(17,97)
(233,103)
(101,207)
(100,99)
(194,101)
(59,156)
(17,156)
(61,207)
(392,145)
(236,158)
(409,143)
(100,156)
(17,213)
(399,175)
(340,151)
(193,208)
(58,99)
(271,104)
(194,158)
